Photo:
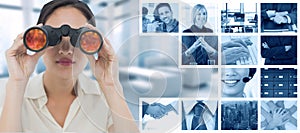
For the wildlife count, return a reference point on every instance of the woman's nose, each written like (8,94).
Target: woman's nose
(230,72)
(202,16)
(65,47)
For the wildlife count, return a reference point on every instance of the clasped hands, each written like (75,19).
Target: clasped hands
(200,41)
(157,110)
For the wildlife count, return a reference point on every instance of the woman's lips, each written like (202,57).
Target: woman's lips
(230,82)
(65,62)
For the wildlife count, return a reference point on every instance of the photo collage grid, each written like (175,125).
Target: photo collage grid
(248,48)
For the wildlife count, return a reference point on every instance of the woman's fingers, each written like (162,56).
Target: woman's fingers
(18,42)
(91,58)
(37,55)
(106,51)
(238,62)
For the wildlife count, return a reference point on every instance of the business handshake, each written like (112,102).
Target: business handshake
(277,17)
(158,110)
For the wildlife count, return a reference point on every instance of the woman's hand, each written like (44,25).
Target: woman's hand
(21,65)
(278,118)
(105,68)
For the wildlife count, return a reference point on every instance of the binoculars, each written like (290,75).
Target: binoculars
(38,38)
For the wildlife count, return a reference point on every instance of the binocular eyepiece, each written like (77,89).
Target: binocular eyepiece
(38,38)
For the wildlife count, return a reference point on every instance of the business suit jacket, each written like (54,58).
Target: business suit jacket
(276,54)
(184,123)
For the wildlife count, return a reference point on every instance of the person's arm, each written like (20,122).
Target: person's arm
(211,51)
(106,71)
(277,118)
(285,51)
(272,52)
(187,56)
(20,67)
(292,15)
(144,108)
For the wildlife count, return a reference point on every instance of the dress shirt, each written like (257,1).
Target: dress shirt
(209,116)
(89,112)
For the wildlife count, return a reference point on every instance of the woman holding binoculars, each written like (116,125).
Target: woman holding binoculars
(62,99)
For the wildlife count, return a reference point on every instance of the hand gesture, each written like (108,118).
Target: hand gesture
(156,110)
(279,19)
(151,27)
(243,61)
(265,45)
(278,118)
(198,42)
(20,64)
(287,48)
(105,68)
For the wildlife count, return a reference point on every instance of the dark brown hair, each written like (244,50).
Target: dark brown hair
(155,12)
(50,7)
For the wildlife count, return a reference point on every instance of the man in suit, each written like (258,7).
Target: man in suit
(199,115)
(278,16)
(279,50)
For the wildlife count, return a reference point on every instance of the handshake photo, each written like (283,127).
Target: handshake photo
(157,110)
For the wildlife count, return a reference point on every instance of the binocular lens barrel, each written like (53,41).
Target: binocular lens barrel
(90,42)
(35,39)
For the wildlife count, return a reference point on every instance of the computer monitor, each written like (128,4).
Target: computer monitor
(239,17)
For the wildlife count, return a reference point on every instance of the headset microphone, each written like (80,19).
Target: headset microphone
(246,79)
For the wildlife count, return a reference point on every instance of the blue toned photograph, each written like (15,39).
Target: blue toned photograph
(199,115)
(160,17)
(276,82)
(158,112)
(199,17)
(278,17)
(239,115)
(199,50)
(279,115)
(239,17)
(279,50)
(239,82)
(239,50)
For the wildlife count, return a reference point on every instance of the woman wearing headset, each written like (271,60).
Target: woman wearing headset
(234,81)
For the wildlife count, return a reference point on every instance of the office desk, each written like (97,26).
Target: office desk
(232,24)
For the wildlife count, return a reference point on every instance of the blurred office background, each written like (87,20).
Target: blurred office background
(148,64)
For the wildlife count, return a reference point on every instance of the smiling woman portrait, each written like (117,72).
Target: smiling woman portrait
(63,99)
(234,81)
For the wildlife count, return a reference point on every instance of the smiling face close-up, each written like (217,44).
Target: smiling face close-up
(200,17)
(232,81)
(63,59)
(165,14)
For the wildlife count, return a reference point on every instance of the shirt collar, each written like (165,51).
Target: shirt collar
(35,88)
(212,106)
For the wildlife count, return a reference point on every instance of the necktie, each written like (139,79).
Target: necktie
(197,122)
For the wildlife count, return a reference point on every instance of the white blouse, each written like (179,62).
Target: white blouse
(89,112)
